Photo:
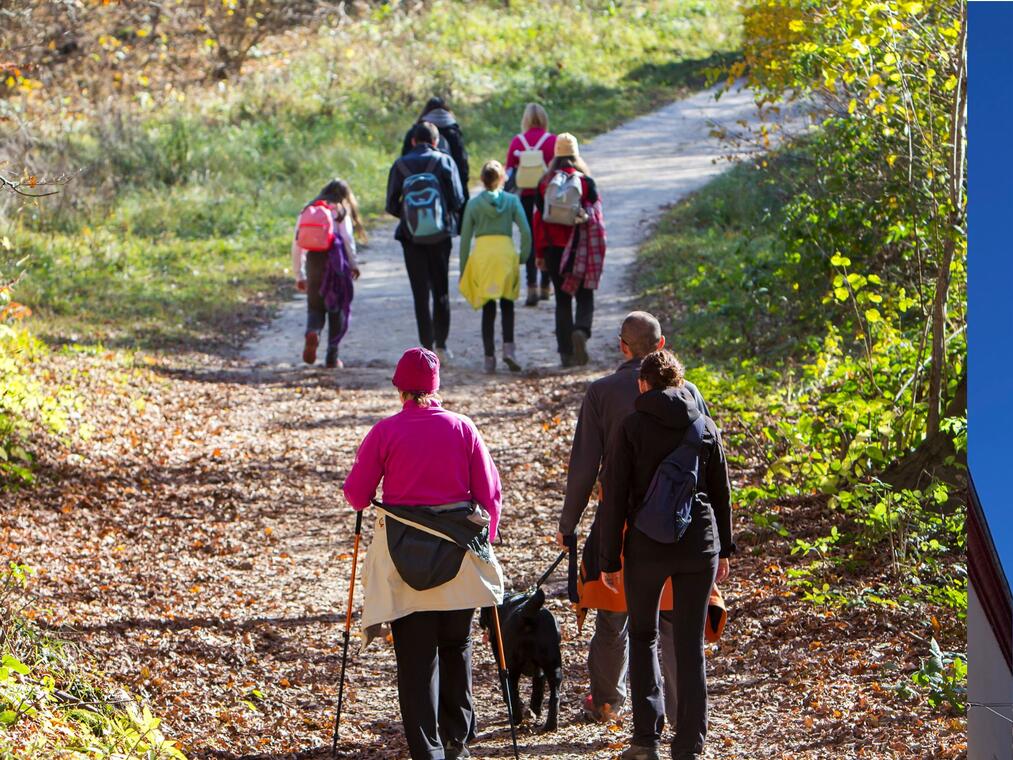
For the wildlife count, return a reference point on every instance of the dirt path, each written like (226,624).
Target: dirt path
(198,544)
(641,167)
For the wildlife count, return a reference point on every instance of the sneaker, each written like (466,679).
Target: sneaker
(334,362)
(490,365)
(603,714)
(640,753)
(579,338)
(309,349)
(510,357)
(533,296)
(454,751)
(545,293)
(445,354)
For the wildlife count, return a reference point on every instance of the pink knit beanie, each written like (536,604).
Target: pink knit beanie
(418,371)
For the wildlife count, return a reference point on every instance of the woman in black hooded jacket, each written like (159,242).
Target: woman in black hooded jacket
(438,113)
(665,410)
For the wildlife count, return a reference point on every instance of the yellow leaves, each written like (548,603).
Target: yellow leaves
(142,32)
(873,316)
(796,26)
(950,83)
(913,8)
(875,80)
(852,105)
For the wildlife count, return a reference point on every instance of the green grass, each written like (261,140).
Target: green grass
(178,231)
(717,270)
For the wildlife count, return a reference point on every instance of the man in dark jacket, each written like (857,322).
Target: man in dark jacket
(607,403)
(428,264)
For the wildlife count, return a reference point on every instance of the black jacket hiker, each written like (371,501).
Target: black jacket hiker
(640,444)
(645,438)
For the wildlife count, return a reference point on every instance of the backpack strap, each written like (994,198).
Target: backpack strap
(694,437)
(541,141)
(431,166)
(524,141)
(402,167)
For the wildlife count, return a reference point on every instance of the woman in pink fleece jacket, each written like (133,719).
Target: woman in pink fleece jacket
(428,456)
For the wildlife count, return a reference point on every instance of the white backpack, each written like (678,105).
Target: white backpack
(562,199)
(532,163)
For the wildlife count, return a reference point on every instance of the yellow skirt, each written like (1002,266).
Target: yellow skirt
(492,271)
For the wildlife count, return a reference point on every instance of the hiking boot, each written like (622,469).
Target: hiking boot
(510,357)
(309,349)
(455,751)
(640,753)
(445,354)
(490,365)
(566,361)
(533,296)
(545,293)
(579,338)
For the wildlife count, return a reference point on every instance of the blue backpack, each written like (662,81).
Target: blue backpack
(667,509)
(422,207)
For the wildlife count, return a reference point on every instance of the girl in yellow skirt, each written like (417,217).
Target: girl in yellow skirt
(491,272)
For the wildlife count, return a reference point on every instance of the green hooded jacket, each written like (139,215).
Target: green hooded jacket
(494,212)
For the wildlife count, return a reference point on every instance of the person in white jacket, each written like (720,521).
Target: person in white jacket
(326,276)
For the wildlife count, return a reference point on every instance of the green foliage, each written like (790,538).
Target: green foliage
(49,706)
(805,287)
(28,405)
(183,218)
(943,676)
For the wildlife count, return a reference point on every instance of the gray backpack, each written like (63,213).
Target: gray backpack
(562,199)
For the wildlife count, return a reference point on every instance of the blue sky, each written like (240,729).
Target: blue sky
(990,265)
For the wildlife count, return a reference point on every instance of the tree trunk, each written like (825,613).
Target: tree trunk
(955,216)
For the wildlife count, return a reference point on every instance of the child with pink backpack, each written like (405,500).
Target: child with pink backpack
(323,258)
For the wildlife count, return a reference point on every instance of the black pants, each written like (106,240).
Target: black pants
(316,312)
(433,651)
(566,323)
(530,270)
(647,565)
(506,307)
(428,272)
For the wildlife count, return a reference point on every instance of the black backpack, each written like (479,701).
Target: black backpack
(667,508)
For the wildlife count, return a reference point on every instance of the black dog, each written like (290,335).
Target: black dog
(531,646)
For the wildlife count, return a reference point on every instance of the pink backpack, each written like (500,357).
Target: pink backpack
(315,230)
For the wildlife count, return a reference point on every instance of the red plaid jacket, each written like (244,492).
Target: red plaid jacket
(588,254)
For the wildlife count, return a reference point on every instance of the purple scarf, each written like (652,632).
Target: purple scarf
(336,286)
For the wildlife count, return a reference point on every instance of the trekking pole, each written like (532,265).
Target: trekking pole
(501,663)
(553,566)
(348,628)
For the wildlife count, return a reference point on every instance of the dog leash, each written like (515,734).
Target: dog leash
(555,563)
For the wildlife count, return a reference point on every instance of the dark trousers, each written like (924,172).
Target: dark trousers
(566,322)
(506,307)
(428,272)
(433,652)
(647,565)
(530,270)
(317,315)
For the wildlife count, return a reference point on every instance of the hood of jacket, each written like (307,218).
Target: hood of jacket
(489,204)
(439,118)
(672,407)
